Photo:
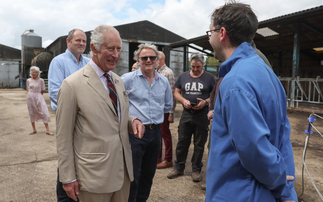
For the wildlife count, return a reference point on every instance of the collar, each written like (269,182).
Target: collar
(98,70)
(244,50)
(70,55)
(139,73)
(162,68)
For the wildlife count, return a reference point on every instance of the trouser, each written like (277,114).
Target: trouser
(167,137)
(192,123)
(61,193)
(145,153)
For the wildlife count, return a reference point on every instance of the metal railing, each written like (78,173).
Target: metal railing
(46,84)
(306,90)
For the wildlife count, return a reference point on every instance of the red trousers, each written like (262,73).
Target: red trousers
(167,137)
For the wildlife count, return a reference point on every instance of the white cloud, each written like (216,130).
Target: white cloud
(189,18)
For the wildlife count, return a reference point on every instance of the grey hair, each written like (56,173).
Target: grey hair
(34,68)
(71,33)
(143,46)
(97,36)
(197,57)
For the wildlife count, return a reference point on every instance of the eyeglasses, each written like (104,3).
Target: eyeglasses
(209,33)
(151,58)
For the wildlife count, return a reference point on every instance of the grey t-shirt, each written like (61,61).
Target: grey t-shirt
(193,88)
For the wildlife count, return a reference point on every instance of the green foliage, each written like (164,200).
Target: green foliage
(211,61)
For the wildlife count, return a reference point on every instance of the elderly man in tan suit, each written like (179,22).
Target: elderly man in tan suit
(94,153)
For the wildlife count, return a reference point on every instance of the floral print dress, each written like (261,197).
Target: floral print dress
(36,104)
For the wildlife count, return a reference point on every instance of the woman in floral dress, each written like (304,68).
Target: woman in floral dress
(36,104)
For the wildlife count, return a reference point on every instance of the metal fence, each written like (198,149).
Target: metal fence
(306,90)
(46,84)
(298,90)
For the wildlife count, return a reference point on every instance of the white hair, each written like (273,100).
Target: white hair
(144,46)
(97,36)
(197,57)
(36,69)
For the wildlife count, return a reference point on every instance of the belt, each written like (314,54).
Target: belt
(152,126)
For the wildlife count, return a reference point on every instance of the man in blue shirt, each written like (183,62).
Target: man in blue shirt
(150,96)
(251,153)
(66,63)
(61,67)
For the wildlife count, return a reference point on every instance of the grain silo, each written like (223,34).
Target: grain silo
(31,45)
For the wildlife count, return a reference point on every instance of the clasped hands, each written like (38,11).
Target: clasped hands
(200,105)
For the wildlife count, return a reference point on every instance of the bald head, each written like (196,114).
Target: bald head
(161,60)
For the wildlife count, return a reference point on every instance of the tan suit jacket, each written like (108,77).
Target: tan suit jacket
(92,146)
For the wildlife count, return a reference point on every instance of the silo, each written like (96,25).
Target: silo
(29,41)
(31,45)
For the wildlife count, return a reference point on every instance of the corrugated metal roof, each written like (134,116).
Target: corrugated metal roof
(296,14)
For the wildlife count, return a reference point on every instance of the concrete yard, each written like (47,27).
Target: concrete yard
(28,163)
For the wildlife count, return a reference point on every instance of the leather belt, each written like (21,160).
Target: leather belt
(152,126)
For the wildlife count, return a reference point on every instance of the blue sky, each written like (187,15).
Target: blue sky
(188,18)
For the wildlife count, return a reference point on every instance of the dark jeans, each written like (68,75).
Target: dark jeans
(145,153)
(192,123)
(61,194)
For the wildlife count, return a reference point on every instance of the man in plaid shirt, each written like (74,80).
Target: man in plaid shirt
(168,117)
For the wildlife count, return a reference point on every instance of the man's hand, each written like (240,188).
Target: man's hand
(171,119)
(289,178)
(210,115)
(138,128)
(187,104)
(200,105)
(72,190)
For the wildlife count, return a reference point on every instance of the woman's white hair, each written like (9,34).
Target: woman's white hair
(97,36)
(36,69)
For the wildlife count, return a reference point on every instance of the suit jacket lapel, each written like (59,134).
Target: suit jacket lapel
(94,81)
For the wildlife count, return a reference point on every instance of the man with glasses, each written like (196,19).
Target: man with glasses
(192,89)
(150,96)
(251,153)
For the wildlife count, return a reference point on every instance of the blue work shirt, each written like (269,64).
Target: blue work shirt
(251,152)
(60,68)
(148,103)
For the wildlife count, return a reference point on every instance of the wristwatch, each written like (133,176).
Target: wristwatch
(170,114)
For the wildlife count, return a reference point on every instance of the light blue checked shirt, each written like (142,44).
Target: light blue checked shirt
(148,103)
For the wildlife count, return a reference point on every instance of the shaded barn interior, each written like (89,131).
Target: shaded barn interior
(288,42)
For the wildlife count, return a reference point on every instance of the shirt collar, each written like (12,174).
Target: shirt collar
(98,70)
(162,68)
(68,52)
(139,73)
(242,51)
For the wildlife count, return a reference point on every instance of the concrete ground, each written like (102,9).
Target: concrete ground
(28,163)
